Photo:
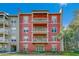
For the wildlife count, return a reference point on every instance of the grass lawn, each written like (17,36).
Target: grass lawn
(42,54)
(70,53)
(8,54)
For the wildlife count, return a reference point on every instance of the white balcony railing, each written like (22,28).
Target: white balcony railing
(42,40)
(2,30)
(6,31)
(40,30)
(3,40)
(39,20)
(6,22)
(1,20)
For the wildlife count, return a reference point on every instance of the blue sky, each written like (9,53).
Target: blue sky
(68,10)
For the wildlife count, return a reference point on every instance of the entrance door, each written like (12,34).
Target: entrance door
(13,48)
(39,48)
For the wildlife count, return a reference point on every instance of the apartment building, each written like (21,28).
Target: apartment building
(36,31)
(9,32)
(39,30)
(4,32)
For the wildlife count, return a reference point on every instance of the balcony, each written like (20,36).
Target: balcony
(1,20)
(6,32)
(40,30)
(6,23)
(2,23)
(39,21)
(40,40)
(2,31)
(3,40)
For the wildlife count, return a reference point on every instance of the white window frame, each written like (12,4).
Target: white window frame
(54,28)
(25,38)
(13,30)
(26,19)
(14,24)
(54,38)
(38,48)
(54,19)
(13,37)
(25,46)
(54,47)
(25,28)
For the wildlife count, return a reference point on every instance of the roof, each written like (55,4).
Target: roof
(40,10)
(3,12)
(44,11)
(12,15)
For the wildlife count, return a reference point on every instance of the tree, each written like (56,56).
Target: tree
(75,26)
(69,39)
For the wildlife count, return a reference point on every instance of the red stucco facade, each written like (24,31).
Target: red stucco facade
(47,45)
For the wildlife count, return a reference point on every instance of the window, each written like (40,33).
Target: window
(54,47)
(13,31)
(39,48)
(25,46)
(54,38)
(13,21)
(13,40)
(25,38)
(54,19)
(25,19)
(54,29)
(26,29)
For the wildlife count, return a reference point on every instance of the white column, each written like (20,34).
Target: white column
(47,27)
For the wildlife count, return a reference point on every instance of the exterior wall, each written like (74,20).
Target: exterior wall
(14,33)
(50,33)
(22,33)
(48,46)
